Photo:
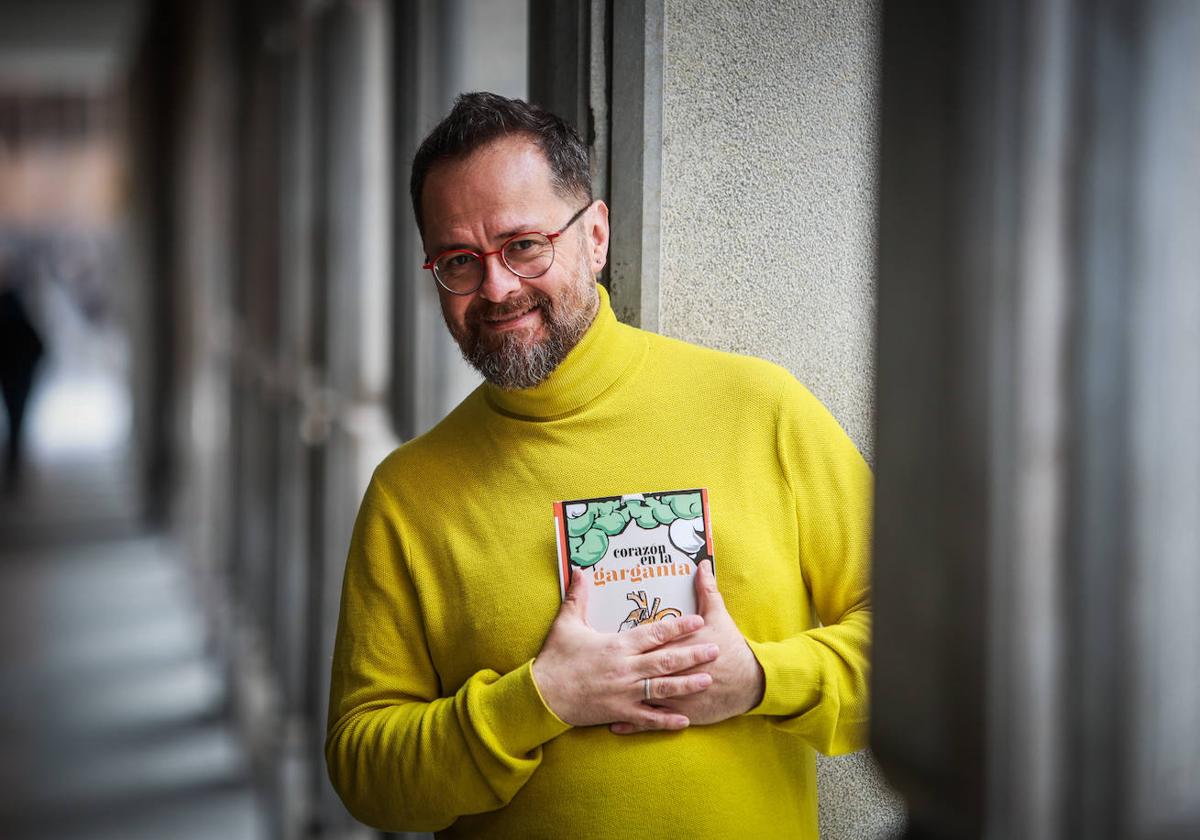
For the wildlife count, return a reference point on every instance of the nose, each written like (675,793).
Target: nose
(498,280)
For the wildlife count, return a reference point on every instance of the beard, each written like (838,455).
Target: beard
(514,360)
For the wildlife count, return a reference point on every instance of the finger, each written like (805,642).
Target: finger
(664,688)
(577,594)
(650,636)
(673,660)
(649,719)
(708,597)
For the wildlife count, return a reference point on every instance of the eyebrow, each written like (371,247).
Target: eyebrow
(460,246)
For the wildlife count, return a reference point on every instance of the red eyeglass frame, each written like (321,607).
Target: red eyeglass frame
(483,257)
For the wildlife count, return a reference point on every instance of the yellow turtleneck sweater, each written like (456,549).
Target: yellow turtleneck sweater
(435,722)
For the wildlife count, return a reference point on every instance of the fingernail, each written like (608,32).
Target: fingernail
(711,651)
(704,679)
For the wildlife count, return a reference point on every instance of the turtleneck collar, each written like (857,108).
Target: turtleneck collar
(607,350)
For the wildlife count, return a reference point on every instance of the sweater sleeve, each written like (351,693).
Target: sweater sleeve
(400,754)
(816,681)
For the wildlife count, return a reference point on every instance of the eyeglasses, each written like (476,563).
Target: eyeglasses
(530,254)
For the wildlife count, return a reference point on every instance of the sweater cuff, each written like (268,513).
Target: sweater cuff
(792,677)
(519,718)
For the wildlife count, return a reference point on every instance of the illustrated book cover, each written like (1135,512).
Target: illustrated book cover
(641,550)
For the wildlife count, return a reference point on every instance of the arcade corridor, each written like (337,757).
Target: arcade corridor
(116,709)
(115,713)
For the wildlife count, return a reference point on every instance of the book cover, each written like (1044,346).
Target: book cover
(641,549)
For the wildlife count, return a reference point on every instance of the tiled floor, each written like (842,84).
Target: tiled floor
(112,710)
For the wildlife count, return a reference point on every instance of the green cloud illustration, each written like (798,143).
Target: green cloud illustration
(600,509)
(589,548)
(685,505)
(613,523)
(589,532)
(577,526)
(641,513)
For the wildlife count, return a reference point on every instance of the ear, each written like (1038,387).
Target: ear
(597,236)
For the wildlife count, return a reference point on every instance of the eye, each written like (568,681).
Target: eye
(523,244)
(455,261)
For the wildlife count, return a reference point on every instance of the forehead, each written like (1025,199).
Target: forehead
(497,188)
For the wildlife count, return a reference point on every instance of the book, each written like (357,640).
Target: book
(641,550)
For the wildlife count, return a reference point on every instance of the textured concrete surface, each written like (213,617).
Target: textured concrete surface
(768,188)
(768,231)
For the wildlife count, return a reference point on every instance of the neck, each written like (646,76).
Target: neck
(607,350)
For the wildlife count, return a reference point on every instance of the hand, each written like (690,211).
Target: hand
(737,678)
(588,678)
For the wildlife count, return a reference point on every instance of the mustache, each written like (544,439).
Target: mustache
(486,310)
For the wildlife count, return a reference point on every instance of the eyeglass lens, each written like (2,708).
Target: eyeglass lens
(528,255)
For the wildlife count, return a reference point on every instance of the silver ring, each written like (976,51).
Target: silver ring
(646,688)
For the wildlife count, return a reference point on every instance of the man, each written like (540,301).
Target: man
(465,698)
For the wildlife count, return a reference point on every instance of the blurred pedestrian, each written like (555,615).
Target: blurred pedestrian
(21,349)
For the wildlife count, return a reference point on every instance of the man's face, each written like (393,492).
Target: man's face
(514,330)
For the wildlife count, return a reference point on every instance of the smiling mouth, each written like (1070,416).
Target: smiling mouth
(510,317)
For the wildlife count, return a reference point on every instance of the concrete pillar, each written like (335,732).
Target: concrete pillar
(442,49)
(1037,596)
(769,151)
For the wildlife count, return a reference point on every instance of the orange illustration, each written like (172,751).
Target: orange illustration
(643,614)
